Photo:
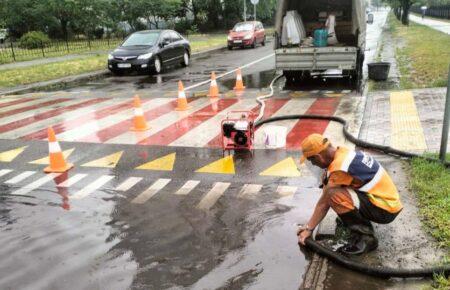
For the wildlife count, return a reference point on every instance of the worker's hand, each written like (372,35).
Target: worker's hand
(303,236)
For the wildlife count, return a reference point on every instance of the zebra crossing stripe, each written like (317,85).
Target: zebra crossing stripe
(90,188)
(284,190)
(187,187)
(250,190)
(129,183)
(4,172)
(72,180)
(213,195)
(151,191)
(20,177)
(32,186)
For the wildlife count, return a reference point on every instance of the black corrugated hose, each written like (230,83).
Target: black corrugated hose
(340,259)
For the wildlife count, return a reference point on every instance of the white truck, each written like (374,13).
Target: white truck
(298,60)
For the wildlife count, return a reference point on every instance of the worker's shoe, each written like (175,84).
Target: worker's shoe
(362,237)
(360,244)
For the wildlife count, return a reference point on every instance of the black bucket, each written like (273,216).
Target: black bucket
(379,71)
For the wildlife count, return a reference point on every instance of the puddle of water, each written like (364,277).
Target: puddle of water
(252,81)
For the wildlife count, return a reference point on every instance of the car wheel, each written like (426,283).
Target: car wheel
(186,59)
(230,47)
(158,65)
(254,43)
(263,43)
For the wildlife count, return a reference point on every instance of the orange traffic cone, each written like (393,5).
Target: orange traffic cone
(182,101)
(213,89)
(139,123)
(239,83)
(57,162)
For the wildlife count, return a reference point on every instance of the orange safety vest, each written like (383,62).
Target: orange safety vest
(377,183)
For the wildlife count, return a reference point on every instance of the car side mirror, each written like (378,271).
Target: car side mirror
(165,42)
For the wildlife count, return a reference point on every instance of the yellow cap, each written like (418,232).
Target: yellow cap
(312,145)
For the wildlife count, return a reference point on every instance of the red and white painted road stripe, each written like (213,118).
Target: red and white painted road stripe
(40,125)
(159,119)
(303,128)
(88,129)
(66,125)
(293,107)
(48,115)
(176,130)
(28,111)
(202,134)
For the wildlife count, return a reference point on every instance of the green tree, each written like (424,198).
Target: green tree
(401,9)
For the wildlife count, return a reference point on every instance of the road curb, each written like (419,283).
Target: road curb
(56,82)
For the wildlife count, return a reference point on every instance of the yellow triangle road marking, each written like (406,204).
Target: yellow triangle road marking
(221,166)
(109,161)
(164,163)
(284,168)
(45,160)
(10,155)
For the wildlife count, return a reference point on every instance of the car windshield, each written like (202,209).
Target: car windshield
(243,27)
(148,38)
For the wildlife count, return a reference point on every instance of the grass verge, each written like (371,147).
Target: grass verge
(422,55)
(431,183)
(45,72)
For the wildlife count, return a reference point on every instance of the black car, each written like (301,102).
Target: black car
(150,50)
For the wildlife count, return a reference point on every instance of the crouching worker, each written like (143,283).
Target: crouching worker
(350,171)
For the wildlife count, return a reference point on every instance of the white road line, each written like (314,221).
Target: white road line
(22,105)
(20,177)
(213,195)
(159,124)
(202,134)
(35,184)
(151,191)
(34,112)
(230,72)
(97,125)
(72,180)
(129,183)
(187,187)
(5,171)
(250,190)
(64,117)
(285,190)
(90,188)
(294,106)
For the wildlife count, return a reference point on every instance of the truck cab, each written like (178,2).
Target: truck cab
(301,58)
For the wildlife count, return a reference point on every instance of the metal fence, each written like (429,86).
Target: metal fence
(11,52)
(434,11)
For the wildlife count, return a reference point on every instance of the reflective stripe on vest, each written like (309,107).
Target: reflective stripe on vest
(378,185)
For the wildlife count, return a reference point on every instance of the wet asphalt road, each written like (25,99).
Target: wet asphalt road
(224,231)
(86,229)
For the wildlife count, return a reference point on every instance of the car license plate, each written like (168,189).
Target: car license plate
(238,41)
(124,65)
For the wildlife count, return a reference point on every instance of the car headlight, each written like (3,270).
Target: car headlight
(248,36)
(110,56)
(230,38)
(145,56)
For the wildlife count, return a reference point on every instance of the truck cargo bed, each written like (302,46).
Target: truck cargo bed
(316,58)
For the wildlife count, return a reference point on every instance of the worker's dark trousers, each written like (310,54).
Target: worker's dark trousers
(342,203)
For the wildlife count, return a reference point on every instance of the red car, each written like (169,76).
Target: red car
(248,33)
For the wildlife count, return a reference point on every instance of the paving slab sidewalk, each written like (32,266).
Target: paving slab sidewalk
(442,26)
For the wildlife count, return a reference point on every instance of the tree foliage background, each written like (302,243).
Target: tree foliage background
(69,18)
